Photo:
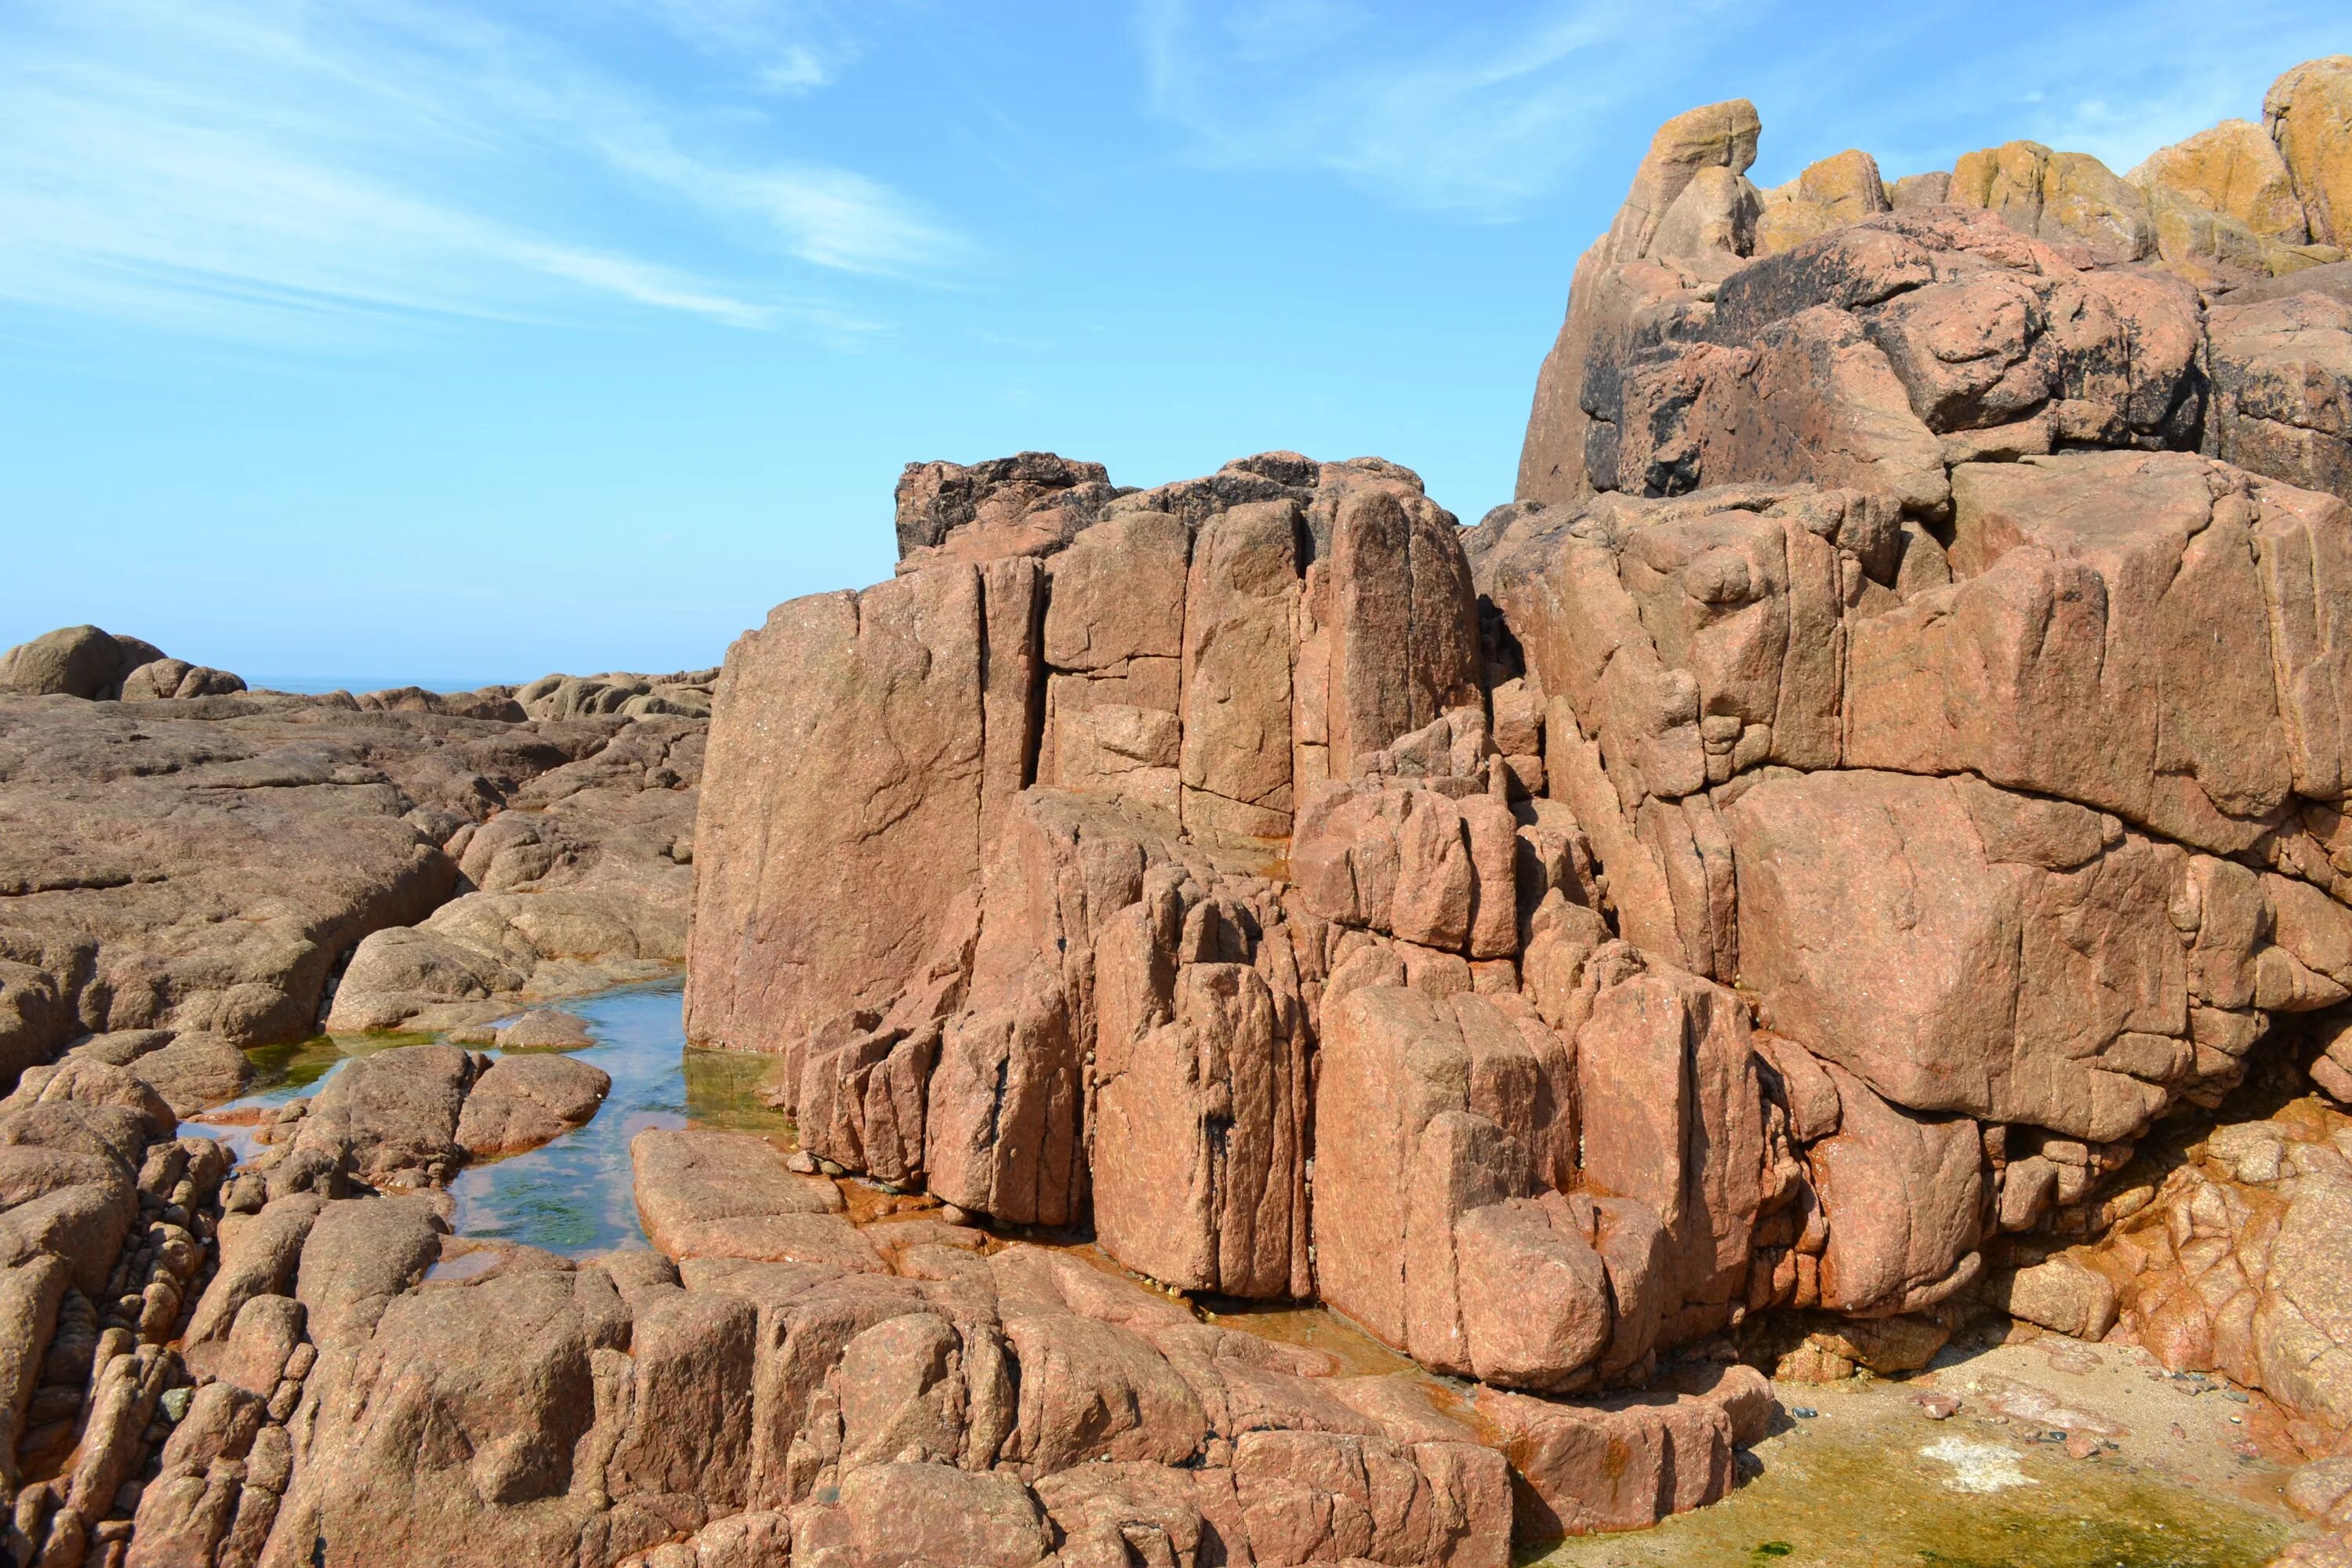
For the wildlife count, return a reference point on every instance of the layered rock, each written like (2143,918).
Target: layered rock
(110,1225)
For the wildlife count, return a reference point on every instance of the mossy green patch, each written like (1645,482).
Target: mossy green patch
(1856,1491)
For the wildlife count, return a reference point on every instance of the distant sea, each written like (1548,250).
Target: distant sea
(356,683)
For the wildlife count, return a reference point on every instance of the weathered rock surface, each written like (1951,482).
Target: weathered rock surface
(1796,867)
(1887,758)
(970,1402)
(205,866)
(2233,1261)
(582,881)
(1842,331)
(85,662)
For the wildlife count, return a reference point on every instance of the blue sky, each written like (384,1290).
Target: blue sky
(415,338)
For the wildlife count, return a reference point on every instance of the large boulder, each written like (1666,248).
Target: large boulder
(2308,112)
(2283,389)
(75,661)
(165,679)
(524,1101)
(2068,199)
(190,1070)
(2224,207)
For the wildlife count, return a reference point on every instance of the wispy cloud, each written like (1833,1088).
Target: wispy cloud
(269,170)
(2116,81)
(829,217)
(788,47)
(1474,114)
(1489,112)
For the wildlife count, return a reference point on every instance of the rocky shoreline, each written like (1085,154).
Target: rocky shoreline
(209,865)
(1852,855)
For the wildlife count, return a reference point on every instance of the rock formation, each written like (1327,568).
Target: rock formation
(1809,868)
(1886,761)
(209,864)
(85,662)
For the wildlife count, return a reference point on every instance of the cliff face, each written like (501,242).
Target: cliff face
(1891,754)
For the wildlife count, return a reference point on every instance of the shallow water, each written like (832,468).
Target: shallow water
(572,1196)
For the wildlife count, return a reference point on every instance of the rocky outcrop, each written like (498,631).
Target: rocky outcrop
(206,867)
(950,1397)
(1190,850)
(584,880)
(85,662)
(1782,874)
(1844,331)
(1887,759)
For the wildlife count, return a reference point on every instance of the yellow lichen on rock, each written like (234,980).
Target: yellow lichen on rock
(1837,191)
(2308,112)
(2235,170)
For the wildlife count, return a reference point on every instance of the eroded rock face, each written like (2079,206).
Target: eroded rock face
(1825,783)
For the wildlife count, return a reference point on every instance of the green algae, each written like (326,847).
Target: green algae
(281,1071)
(1858,1490)
(725,1089)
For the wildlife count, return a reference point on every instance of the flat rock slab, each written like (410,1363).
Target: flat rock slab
(818,1238)
(694,1189)
(545,1031)
(523,1101)
(191,1070)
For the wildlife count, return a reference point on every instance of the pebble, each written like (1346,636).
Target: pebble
(1803,1411)
(1937,1406)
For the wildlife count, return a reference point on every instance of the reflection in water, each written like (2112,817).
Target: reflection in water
(723,1087)
(572,1196)
(576,1195)
(1358,1353)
